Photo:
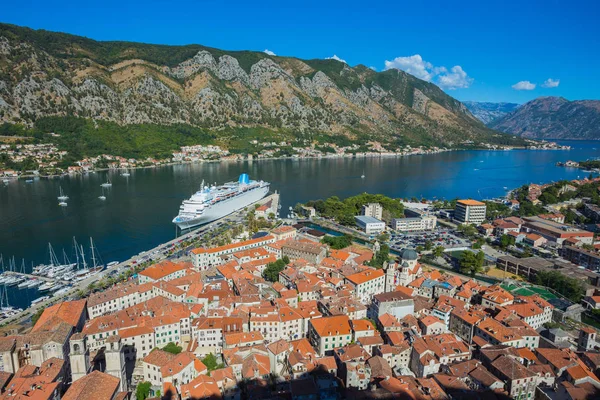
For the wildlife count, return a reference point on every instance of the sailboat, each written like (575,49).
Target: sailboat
(84,270)
(63,204)
(102,196)
(6,310)
(107,184)
(125,173)
(363,175)
(62,196)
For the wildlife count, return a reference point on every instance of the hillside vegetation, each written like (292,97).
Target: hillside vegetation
(135,96)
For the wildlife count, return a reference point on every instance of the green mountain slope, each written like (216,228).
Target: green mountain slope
(48,74)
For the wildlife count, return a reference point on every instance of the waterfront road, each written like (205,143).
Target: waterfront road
(156,255)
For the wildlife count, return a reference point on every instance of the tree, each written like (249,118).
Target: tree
(506,240)
(211,362)
(172,348)
(35,317)
(438,251)
(471,263)
(337,242)
(142,391)
(271,273)
(428,245)
(286,260)
(467,230)
(571,288)
(382,256)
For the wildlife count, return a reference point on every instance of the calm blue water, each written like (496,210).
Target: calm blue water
(138,211)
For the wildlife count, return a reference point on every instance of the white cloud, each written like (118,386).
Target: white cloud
(373,68)
(457,78)
(334,57)
(551,83)
(524,85)
(415,65)
(269,52)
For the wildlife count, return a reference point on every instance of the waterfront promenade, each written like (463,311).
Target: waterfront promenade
(83,284)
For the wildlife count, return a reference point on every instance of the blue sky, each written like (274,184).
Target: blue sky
(475,50)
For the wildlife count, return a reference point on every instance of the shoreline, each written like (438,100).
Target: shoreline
(362,155)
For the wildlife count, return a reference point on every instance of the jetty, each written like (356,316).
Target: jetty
(30,276)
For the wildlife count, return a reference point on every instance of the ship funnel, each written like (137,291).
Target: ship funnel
(244,178)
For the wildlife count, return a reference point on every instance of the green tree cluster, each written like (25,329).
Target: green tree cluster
(271,272)
(337,242)
(380,257)
(211,362)
(471,263)
(142,391)
(344,211)
(506,241)
(571,288)
(172,348)
(496,210)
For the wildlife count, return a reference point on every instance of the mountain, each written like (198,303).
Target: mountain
(553,118)
(487,112)
(225,93)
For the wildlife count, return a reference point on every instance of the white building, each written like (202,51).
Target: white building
(414,224)
(367,284)
(204,258)
(470,211)
(372,210)
(369,224)
(329,333)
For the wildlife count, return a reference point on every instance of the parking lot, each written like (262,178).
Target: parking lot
(439,237)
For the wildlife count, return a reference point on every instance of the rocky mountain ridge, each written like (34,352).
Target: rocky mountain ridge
(54,74)
(487,112)
(553,118)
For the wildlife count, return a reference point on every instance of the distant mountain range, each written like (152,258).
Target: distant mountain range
(487,112)
(226,93)
(542,118)
(553,118)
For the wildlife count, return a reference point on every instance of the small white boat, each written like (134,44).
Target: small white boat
(125,174)
(102,196)
(62,197)
(47,286)
(63,291)
(24,284)
(62,204)
(111,264)
(39,300)
(106,184)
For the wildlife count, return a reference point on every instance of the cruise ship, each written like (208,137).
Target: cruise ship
(211,203)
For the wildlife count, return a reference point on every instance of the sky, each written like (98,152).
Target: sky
(497,51)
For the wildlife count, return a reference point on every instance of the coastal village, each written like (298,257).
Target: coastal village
(45,159)
(287,315)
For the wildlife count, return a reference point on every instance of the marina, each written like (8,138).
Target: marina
(138,211)
(53,289)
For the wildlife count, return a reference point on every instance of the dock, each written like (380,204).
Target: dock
(30,276)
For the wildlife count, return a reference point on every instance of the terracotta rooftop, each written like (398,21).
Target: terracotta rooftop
(103,386)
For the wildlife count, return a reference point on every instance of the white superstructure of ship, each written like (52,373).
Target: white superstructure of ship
(211,203)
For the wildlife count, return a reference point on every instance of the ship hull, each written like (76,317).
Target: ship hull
(223,208)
